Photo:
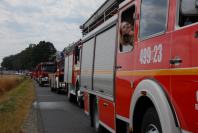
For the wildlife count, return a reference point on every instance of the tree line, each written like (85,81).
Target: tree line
(30,57)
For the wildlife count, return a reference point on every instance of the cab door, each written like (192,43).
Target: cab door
(184,63)
(125,63)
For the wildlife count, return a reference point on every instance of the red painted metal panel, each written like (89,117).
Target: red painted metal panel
(107,112)
(184,87)
(86,102)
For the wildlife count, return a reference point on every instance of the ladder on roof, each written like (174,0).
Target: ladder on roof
(106,11)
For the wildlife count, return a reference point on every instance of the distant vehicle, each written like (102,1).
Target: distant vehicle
(43,70)
(56,79)
(72,72)
(34,74)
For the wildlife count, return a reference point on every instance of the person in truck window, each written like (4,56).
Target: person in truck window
(126,37)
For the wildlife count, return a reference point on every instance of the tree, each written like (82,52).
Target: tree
(30,57)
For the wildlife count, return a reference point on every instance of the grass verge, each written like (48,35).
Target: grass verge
(15,106)
(8,82)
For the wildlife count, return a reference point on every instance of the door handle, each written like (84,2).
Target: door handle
(118,67)
(176,61)
(196,34)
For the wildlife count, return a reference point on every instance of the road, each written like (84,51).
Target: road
(58,115)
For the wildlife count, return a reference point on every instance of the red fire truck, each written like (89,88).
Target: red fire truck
(43,70)
(34,74)
(72,71)
(139,68)
(56,79)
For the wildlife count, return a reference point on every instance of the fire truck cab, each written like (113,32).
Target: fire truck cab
(139,67)
(43,71)
(56,79)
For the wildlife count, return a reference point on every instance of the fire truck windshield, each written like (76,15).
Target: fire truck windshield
(49,68)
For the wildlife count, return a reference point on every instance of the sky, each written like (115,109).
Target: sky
(23,22)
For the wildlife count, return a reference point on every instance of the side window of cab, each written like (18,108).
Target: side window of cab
(188,12)
(126,30)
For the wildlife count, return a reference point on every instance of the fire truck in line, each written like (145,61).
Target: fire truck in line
(43,70)
(145,81)
(34,74)
(72,72)
(56,79)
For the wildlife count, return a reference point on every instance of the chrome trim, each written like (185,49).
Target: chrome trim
(122,118)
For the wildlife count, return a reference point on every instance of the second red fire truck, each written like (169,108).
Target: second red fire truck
(56,79)
(72,72)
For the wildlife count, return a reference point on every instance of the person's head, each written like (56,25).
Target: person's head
(125,28)
(125,33)
(129,29)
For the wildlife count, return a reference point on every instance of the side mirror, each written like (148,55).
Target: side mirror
(189,7)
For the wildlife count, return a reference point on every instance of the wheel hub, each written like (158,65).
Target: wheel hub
(152,129)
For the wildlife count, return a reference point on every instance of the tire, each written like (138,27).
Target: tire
(42,84)
(80,102)
(151,122)
(69,96)
(58,90)
(77,96)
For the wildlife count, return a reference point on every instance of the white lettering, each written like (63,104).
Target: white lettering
(159,59)
(151,55)
(196,105)
(155,54)
(148,55)
(144,56)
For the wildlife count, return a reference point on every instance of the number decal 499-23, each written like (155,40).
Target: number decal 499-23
(150,55)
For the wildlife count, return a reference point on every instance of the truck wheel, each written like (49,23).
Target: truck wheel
(42,84)
(69,96)
(58,90)
(80,102)
(39,82)
(52,89)
(151,122)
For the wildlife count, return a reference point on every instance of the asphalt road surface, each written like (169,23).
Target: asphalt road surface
(58,115)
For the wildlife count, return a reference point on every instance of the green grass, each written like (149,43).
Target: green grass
(15,106)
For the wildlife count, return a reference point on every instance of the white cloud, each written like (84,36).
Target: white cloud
(29,21)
